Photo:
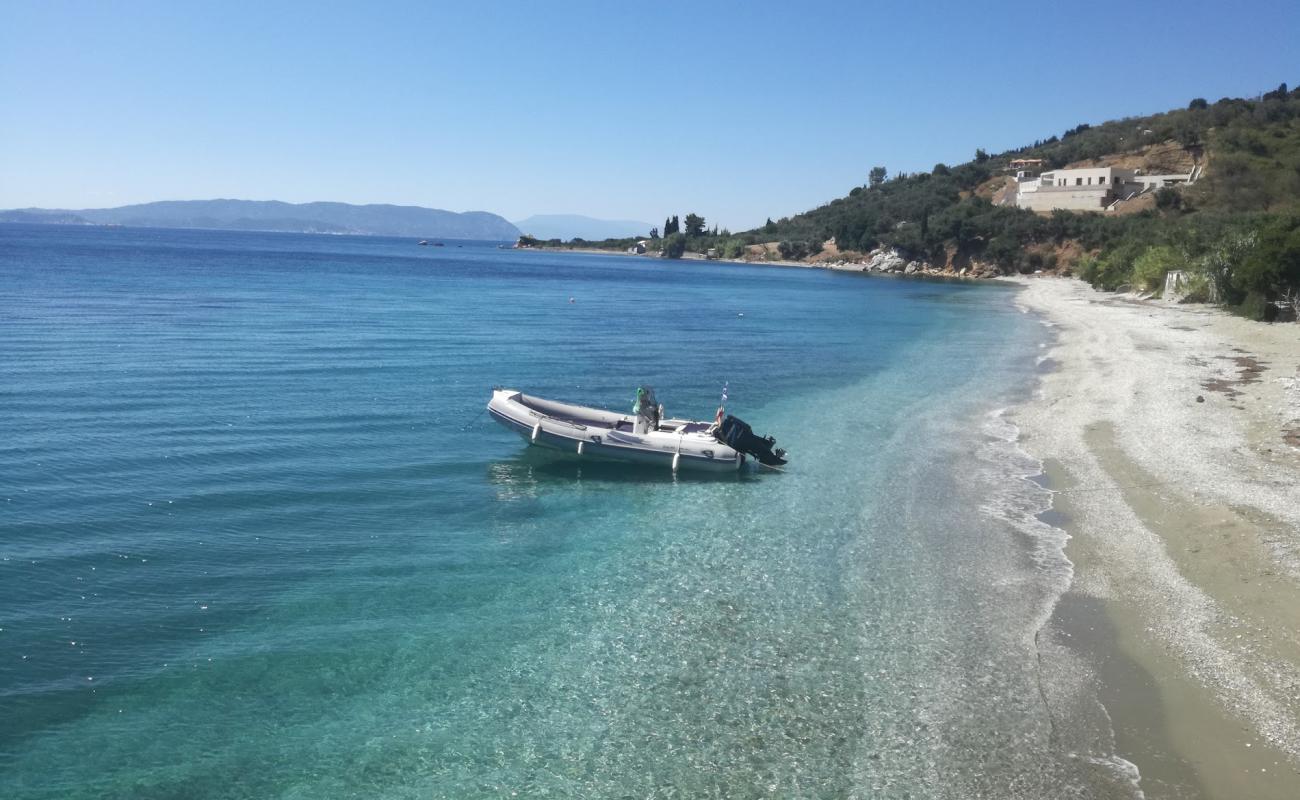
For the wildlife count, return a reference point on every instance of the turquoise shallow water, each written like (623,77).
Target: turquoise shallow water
(256,541)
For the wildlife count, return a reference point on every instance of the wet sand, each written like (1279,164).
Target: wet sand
(1168,437)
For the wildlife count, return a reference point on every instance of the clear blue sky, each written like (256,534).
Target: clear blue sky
(735,111)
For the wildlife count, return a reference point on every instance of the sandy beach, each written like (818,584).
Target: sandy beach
(1170,437)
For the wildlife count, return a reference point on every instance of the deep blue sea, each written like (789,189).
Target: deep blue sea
(257,540)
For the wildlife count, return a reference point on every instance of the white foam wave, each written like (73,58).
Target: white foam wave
(1020,501)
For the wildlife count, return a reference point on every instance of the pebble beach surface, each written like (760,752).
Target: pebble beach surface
(1171,435)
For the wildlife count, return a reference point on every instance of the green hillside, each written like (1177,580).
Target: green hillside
(1237,230)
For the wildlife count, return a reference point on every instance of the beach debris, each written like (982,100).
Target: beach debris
(1248,371)
(1200,399)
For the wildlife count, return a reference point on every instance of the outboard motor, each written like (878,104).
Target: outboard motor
(737,435)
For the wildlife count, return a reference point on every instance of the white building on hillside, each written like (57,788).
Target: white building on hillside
(1088,189)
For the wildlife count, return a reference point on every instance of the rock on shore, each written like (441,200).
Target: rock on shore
(887,260)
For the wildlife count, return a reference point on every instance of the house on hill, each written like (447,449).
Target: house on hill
(1090,188)
(1025,167)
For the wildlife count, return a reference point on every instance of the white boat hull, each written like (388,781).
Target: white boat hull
(592,433)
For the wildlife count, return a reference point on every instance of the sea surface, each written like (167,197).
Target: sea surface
(257,539)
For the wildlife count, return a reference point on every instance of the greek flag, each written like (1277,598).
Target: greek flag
(724,393)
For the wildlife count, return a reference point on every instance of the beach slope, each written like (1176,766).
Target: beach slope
(1171,437)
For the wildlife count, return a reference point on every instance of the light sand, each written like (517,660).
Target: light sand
(1185,514)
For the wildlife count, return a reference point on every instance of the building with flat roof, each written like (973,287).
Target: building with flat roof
(1089,188)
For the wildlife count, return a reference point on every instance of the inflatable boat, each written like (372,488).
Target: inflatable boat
(644,436)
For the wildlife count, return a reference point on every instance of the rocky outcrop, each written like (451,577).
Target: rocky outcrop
(890,261)
(886,261)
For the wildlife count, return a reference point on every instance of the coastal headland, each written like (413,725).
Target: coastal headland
(1171,440)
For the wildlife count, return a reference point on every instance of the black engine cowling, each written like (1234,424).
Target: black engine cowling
(736,434)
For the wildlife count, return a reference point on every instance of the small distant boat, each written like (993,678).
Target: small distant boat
(439,244)
(723,445)
(423,242)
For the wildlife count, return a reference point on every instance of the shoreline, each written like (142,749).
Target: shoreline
(598,251)
(855,268)
(1166,433)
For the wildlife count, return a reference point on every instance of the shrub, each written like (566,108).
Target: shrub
(908,239)
(1149,269)
(1112,273)
(1256,307)
(1273,264)
(1197,288)
(792,251)
(1112,270)
(1220,260)
(1086,268)
(674,246)
(1168,199)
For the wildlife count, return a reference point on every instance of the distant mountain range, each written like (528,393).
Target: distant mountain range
(273,215)
(575,226)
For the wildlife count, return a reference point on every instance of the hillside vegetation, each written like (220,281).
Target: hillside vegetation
(1236,230)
